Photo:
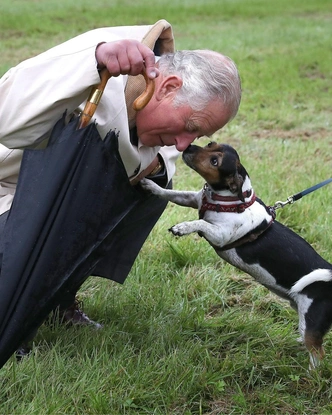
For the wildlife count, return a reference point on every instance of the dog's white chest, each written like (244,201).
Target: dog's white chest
(233,226)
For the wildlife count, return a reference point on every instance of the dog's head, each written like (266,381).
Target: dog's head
(219,165)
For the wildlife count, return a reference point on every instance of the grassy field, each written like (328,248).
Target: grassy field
(187,333)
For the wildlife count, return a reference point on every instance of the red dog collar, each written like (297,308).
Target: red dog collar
(220,207)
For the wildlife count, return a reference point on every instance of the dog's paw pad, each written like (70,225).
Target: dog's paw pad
(174,231)
(179,230)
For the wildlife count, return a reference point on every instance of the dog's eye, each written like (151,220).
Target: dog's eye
(214,161)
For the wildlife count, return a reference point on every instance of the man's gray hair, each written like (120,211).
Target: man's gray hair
(206,76)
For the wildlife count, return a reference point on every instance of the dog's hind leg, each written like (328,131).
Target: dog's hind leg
(317,320)
(311,337)
(314,343)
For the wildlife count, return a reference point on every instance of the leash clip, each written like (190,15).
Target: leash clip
(279,204)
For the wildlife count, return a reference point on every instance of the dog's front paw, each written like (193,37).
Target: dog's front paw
(181,229)
(150,186)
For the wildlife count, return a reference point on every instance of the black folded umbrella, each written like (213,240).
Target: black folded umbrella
(69,197)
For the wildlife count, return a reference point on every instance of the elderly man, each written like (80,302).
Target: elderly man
(196,94)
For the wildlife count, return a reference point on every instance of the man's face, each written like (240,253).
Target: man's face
(161,124)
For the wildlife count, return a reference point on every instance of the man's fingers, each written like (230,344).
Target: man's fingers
(126,57)
(150,64)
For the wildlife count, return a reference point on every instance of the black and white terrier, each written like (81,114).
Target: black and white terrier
(244,232)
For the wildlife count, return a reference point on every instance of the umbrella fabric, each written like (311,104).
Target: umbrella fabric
(69,198)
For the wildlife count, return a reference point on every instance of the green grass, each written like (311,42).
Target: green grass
(187,333)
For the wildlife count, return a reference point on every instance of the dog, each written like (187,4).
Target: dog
(243,231)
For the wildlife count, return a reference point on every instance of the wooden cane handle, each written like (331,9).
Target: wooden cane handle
(141,101)
(97,92)
(93,99)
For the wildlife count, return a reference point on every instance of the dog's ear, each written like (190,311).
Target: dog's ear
(235,183)
(231,171)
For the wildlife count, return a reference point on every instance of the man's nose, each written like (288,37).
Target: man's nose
(184,140)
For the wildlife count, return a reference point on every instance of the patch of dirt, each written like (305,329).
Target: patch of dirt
(289,134)
(311,71)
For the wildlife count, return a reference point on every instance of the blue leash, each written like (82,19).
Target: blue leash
(297,196)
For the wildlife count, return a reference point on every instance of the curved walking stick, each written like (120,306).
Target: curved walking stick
(97,92)
(141,101)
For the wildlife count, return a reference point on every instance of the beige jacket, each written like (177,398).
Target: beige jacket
(35,94)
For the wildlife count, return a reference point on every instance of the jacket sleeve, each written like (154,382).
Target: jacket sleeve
(37,92)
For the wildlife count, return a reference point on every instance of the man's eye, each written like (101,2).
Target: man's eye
(214,161)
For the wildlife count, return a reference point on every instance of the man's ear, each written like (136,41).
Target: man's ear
(168,87)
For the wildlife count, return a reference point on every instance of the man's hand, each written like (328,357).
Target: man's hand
(126,57)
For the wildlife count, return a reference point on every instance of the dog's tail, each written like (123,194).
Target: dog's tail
(319,274)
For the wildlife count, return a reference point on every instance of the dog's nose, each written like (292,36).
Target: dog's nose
(190,149)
